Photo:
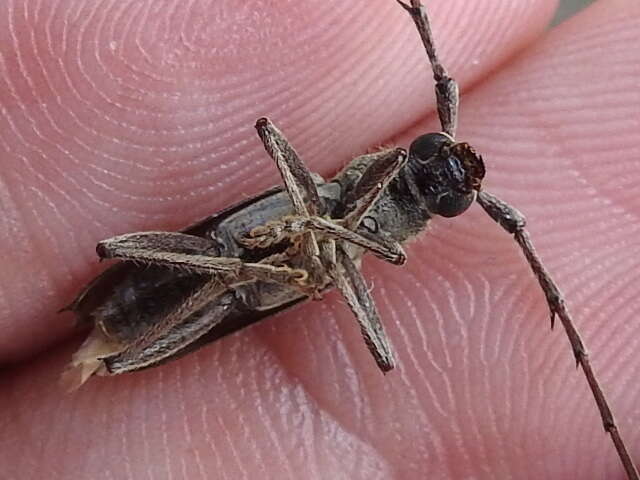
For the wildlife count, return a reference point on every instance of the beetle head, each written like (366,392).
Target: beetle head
(447,173)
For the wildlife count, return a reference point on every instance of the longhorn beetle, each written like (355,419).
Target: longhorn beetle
(292,243)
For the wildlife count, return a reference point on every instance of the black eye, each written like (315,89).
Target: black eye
(450,204)
(425,147)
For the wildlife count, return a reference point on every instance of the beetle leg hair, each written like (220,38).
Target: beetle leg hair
(152,247)
(301,188)
(380,171)
(351,284)
(297,178)
(180,328)
(291,226)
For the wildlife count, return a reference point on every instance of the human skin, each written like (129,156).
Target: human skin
(119,117)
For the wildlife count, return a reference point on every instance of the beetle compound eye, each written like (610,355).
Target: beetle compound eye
(450,204)
(426,147)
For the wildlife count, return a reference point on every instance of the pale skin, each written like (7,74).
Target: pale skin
(481,388)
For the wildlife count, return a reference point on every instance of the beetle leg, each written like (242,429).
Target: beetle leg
(291,226)
(194,317)
(153,247)
(297,178)
(90,358)
(300,186)
(351,284)
(170,241)
(178,329)
(447,95)
(373,181)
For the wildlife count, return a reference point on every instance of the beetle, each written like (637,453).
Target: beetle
(247,262)
(295,242)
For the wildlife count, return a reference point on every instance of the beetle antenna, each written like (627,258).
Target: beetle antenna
(514,222)
(446,88)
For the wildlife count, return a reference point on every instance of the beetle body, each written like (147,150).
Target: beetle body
(129,300)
